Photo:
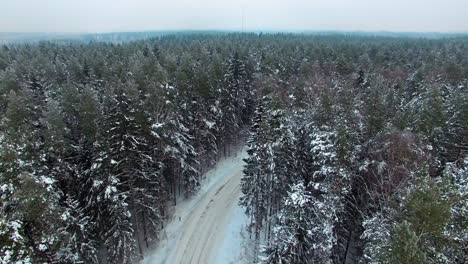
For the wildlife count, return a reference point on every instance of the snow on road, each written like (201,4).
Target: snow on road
(207,228)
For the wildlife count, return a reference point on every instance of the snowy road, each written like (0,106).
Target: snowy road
(207,228)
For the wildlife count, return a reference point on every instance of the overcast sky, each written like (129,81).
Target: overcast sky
(139,15)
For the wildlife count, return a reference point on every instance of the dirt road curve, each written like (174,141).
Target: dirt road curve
(197,236)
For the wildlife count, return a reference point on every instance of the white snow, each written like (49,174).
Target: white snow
(47,180)
(210,124)
(109,191)
(157,125)
(233,250)
(207,228)
(42,247)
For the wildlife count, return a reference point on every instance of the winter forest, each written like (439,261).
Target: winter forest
(357,145)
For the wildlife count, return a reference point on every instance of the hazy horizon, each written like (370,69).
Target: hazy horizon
(106,16)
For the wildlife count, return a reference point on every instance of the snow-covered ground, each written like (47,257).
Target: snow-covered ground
(209,228)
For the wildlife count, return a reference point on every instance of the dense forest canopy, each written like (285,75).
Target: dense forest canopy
(357,144)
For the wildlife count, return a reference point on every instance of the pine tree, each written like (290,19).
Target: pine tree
(405,247)
(28,199)
(107,205)
(182,152)
(233,98)
(374,112)
(431,119)
(76,242)
(133,164)
(253,184)
(292,242)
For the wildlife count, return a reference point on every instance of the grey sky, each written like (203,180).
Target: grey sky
(138,15)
